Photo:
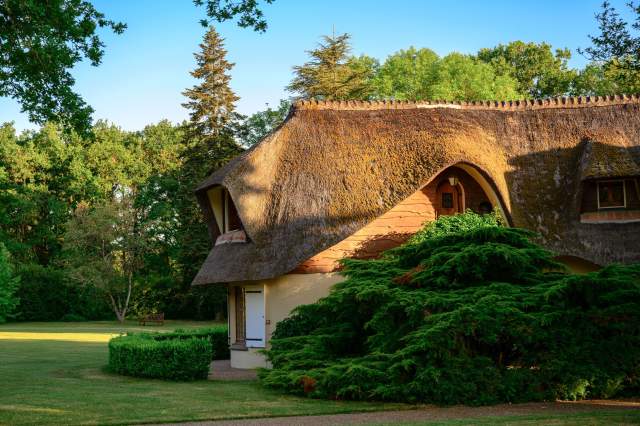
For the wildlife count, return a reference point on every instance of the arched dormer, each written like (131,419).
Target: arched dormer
(226,216)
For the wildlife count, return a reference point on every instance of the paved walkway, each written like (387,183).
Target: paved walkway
(221,370)
(428,414)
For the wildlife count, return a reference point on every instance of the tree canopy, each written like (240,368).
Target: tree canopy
(617,47)
(331,73)
(39,44)
(248,12)
(539,71)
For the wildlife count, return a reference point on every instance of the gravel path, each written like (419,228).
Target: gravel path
(429,413)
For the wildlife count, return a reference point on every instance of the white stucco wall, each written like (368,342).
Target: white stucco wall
(282,295)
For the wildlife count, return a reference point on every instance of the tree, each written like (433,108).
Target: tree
(407,75)
(617,48)
(331,74)
(594,80)
(212,102)
(104,249)
(9,282)
(257,126)
(538,70)
(461,77)
(39,43)
(223,10)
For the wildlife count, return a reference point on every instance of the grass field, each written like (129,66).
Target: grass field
(53,373)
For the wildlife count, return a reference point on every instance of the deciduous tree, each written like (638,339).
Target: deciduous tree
(40,41)
(617,47)
(539,71)
(248,11)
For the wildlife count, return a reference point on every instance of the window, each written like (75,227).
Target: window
(447,200)
(240,315)
(611,194)
(231,217)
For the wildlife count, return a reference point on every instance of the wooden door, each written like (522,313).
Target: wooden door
(448,199)
(254,300)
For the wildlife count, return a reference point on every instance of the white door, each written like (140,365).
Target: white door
(254,300)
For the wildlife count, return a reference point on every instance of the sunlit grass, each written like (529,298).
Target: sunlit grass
(53,373)
(66,337)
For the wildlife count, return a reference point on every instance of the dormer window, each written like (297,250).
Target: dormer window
(612,194)
(226,217)
(611,200)
(231,220)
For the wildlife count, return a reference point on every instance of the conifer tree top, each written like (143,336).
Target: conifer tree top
(211,102)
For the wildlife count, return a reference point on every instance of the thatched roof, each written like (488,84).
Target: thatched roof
(332,167)
(610,159)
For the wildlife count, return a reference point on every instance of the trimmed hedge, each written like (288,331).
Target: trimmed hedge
(174,359)
(180,355)
(217,336)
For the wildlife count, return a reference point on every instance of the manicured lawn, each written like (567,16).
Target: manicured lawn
(53,373)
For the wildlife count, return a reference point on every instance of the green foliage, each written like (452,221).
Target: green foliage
(331,73)
(211,102)
(617,48)
(218,337)
(46,175)
(72,318)
(39,43)
(421,75)
(8,285)
(246,10)
(539,72)
(466,312)
(461,77)
(257,126)
(143,355)
(45,295)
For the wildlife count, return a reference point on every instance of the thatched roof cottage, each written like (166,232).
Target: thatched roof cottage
(342,179)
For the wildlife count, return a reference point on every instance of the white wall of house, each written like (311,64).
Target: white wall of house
(280,295)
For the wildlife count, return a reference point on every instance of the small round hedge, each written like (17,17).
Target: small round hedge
(181,355)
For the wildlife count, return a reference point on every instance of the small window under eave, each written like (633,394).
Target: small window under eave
(608,200)
(226,216)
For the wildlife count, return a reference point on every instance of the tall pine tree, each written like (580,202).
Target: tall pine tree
(211,143)
(332,74)
(212,101)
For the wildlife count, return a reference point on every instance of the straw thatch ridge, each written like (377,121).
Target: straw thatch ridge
(333,167)
(519,104)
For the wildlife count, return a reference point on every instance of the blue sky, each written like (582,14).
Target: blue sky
(145,69)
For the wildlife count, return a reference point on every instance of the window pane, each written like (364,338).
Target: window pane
(447,200)
(611,194)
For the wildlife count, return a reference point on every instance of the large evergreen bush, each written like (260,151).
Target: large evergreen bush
(466,312)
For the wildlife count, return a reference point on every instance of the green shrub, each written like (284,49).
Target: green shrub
(72,318)
(8,285)
(467,312)
(45,296)
(218,337)
(144,355)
